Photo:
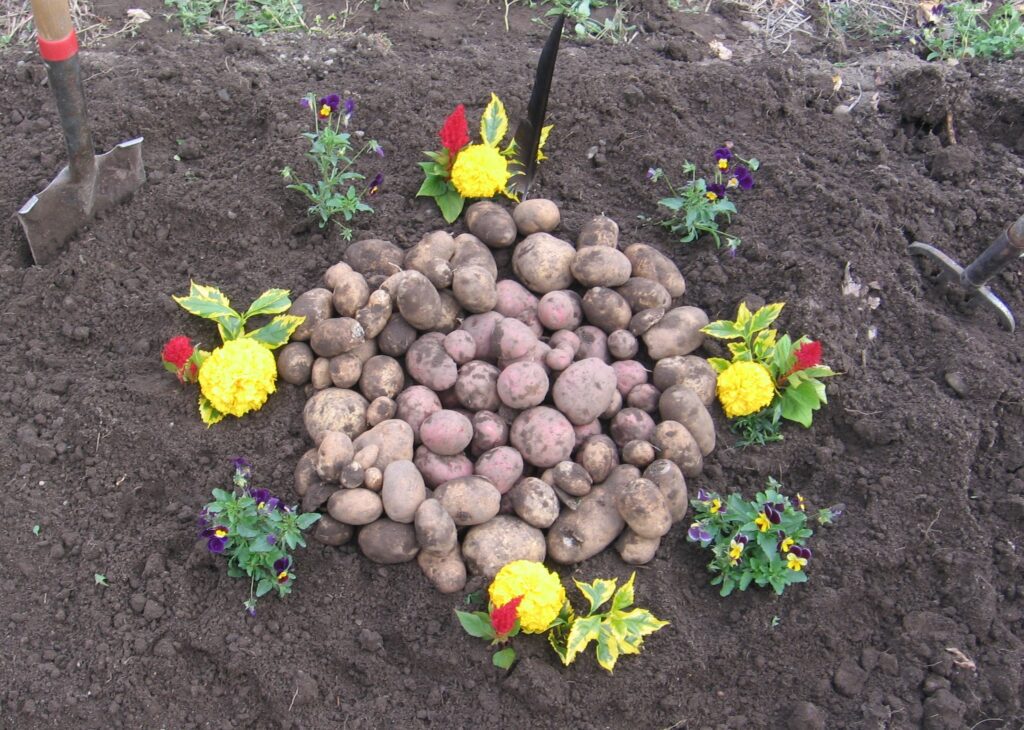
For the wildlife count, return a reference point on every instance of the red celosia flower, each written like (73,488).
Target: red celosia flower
(503,618)
(455,131)
(177,353)
(807,355)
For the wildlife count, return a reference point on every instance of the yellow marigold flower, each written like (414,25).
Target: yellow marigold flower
(542,592)
(794,562)
(480,171)
(238,376)
(745,387)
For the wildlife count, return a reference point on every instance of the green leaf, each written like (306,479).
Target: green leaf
(264,587)
(596,593)
(607,648)
(476,624)
(624,596)
(723,329)
(433,186)
(208,303)
(582,632)
(639,622)
(493,122)
(305,521)
(719,364)
(207,412)
(451,204)
(800,401)
(764,316)
(505,658)
(277,331)
(272,301)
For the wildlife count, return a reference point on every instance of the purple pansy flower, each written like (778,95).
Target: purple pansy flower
(697,533)
(281,569)
(271,539)
(743,177)
(723,153)
(772,514)
(703,496)
(304,102)
(350,106)
(801,552)
(375,184)
(717,190)
(216,538)
(328,105)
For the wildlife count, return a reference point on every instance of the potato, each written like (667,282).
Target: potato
(335,409)
(584,390)
(622,345)
(355,506)
(641,294)
(415,404)
(681,404)
(572,478)
(559,358)
(542,263)
(503,465)
(460,346)
(677,333)
(432,258)
(632,424)
(364,351)
(334,274)
(334,452)
(628,375)
(295,363)
(669,478)
(534,501)
(429,364)
(451,315)
(320,374)
(328,531)
(447,573)
(502,540)
(514,299)
(382,376)
(373,478)
(643,321)
(335,336)
(595,266)
(605,309)
(380,409)
(638,453)
(584,532)
(388,543)
(599,231)
(315,306)
(598,455)
(376,314)
(317,496)
(403,490)
(474,289)
(351,293)
(645,397)
(396,337)
(418,301)
(481,328)
(491,223)
(543,436)
(446,432)
(512,339)
(523,385)
(477,386)
(471,251)
(366,456)
(567,339)
(593,343)
(536,216)
(650,263)
(374,257)
(469,500)
(352,476)
(437,469)
(560,310)
(305,473)
(586,431)
(675,443)
(489,431)
(435,529)
(644,508)
(636,550)
(614,407)
(393,439)
(689,371)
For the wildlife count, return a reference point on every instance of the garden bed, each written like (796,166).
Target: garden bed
(921,439)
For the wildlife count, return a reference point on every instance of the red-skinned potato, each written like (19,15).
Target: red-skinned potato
(437,469)
(560,310)
(543,436)
(415,404)
(428,363)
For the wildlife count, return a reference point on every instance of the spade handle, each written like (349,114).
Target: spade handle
(1006,248)
(53,19)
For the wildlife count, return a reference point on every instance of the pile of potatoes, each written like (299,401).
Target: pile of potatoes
(466,421)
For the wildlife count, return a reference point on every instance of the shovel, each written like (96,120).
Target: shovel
(90,183)
(1008,247)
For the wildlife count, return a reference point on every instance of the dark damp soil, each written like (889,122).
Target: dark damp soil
(922,439)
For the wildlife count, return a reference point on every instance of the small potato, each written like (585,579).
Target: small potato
(584,390)
(677,333)
(491,223)
(644,508)
(689,371)
(352,476)
(536,216)
(535,502)
(335,336)
(305,473)
(675,443)
(334,274)
(681,404)
(628,375)
(645,397)
(435,529)
(593,343)
(345,370)
(489,431)
(502,540)
(374,257)
(641,294)
(451,315)
(632,424)
(636,550)
(567,339)
(393,439)
(373,478)
(437,469)
(431,257)
(418,301)
(364,351)
(523,385)
(477,386)
(595,266)
(543,436)
(334,453)
(643,321)
(599,231)
(613,408)
(559,358)
(315,306)
(605,309)
(469,500)
(403,491)
(334,409)
(355,506)
(397,336)
(388,543)
(598,455)
(295,363)
(542,263)
(329,531)
(572,478)
(650,263)
(317,496)
(415,404)
(584,532)
(514,300)
(586,431)
(351,293)
(380,409)
(376,314)
(471,251)
(669,478)
(512,339)
(481,329)
(460,346)
(560,310)
(366,456)
(638,453)
(474,289)
(621,475)
(428,363)
(502,465)
(622,345)
(320,374)
(447,573)
(446,433)
(382,376)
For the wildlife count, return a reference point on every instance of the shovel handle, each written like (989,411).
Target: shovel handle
(1007,247)
(54,29)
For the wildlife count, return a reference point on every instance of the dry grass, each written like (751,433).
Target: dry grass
(17,28)
(839,19)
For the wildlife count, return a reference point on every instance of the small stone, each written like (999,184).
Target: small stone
(152,610)
(137,602)
(933,683)
(370,641)
(888,664)
(943,711)
(955,380)
(849,678)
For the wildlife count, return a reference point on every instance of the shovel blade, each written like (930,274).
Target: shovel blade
(52,217)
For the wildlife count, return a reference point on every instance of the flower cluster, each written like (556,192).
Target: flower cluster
(238,376)
(525,596)
(255,531)
(339,189)
(462,170)
(759,541)
(697,207)
(769,377)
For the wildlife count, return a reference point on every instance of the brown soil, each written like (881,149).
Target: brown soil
(922,438)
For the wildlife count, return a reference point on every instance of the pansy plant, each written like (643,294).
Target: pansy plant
(761,541)
(256,532)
